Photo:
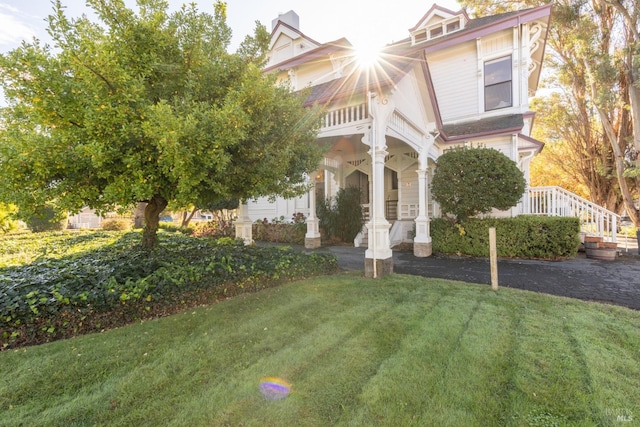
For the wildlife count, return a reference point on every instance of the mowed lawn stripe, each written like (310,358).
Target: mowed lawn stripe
(609,345)
(400,350)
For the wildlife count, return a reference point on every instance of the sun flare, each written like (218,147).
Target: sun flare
(367,55)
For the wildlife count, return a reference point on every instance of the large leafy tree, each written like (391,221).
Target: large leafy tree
(472,181)
(148,106)
(576,155)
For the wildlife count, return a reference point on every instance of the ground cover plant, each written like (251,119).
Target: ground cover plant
(396,351)
(57,285)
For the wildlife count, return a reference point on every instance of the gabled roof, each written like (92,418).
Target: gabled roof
(440,11)
(390,69)
(480,27)
(398,58)
(319,53)
(283,27)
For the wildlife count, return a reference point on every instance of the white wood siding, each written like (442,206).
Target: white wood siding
(408,188)
(455,77)
(311,76)
(282,50)
(410,100)
(497,45)
(263,208)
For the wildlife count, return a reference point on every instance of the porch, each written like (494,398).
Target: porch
(543,201)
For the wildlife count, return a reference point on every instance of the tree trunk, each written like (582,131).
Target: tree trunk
(186,217)
(138,215)
(618,155)
(152,218)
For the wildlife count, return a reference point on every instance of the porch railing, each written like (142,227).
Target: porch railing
(556,201)
(408,210)
(345,115)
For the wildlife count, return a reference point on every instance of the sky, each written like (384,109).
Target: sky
(367,24)
(362,22)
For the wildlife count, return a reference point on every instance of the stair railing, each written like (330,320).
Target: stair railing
(556,201)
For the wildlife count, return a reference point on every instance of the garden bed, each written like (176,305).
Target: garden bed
(68,285)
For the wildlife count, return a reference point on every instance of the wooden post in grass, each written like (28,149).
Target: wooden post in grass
(493,256)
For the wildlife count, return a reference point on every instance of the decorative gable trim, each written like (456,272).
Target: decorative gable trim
(482,27)
(288,42)
(328,51)
(292,33)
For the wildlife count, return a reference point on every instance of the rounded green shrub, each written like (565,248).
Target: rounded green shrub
(471,181)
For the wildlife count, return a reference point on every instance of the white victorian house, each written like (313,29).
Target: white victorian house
(452,81)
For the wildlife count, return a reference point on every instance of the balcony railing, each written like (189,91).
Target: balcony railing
(345,116)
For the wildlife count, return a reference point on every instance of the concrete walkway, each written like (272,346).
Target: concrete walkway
(615,282)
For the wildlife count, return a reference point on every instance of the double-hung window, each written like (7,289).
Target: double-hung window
(497,84)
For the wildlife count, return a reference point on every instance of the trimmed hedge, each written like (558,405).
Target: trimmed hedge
(54,298)
(532,237)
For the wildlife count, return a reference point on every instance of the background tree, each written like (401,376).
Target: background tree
(7,222)
(472,181)
(148,106)
(576,155)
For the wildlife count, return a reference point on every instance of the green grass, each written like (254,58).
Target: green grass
(26,247)
(397,351)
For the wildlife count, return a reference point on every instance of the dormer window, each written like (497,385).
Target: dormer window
(435,32)
(420,37)
(453,26)
(443,27)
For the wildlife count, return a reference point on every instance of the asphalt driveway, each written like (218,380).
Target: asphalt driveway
(615,282)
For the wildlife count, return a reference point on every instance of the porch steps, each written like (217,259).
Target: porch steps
(596,248)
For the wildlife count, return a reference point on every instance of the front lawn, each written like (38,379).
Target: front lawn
(396,351)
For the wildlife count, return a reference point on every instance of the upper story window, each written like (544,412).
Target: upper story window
(497,84)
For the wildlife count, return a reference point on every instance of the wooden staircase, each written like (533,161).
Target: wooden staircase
(556,201)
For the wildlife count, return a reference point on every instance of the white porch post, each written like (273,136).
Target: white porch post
(422,246)
(378,259)
(312,239)
(243,224)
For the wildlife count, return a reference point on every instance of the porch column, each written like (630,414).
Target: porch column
(422,246)
(378,258)
(312,239)
(243,224)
